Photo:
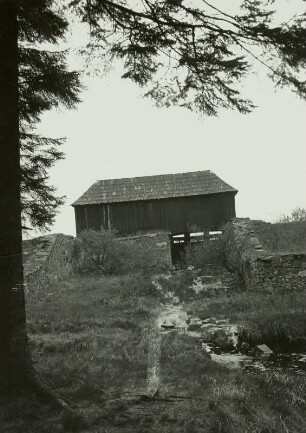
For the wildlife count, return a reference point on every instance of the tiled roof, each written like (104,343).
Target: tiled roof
(154,187)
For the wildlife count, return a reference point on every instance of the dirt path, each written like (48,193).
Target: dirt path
(154,354)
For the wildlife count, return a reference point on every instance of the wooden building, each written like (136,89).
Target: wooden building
(172,203)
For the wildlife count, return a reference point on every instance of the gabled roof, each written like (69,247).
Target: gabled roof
(154,187)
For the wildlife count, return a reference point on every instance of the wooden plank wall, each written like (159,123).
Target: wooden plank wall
(174,215)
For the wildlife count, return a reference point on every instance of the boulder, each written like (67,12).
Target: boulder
(263,349)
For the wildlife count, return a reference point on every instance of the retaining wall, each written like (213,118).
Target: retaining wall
(260,269)
(51,258)
(156,244)
(282,271)
(47,259)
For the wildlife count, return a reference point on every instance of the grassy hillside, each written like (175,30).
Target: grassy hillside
(90,339)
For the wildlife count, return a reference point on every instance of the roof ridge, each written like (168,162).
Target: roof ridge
(154,187)
(153,175)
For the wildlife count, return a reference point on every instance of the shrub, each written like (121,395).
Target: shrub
(205,251)
(282,236)
(100,251)
(105,253)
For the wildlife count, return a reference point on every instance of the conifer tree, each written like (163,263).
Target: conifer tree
(13,343)
(44,83)
(195,54)
(32,80)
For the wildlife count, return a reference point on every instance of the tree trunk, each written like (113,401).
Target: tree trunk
(14,356)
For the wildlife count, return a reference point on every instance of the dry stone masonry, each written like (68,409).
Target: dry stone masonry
(157,243)
(47,258)
(282,271)
(260,269)
(51,258)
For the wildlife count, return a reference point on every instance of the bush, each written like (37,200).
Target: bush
(105,253)
(288,236)
(100,251)
(205,251)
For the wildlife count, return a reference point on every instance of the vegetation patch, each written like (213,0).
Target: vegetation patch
(277,320)
(103,252)
(90,337)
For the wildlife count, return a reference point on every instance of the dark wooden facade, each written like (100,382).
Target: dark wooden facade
(172,215)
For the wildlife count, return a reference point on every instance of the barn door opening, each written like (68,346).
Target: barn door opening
(178,243)
(203,242)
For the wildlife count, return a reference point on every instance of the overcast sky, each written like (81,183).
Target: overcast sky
(116,133)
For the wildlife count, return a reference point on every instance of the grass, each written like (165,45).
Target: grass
(98,328)
(217,399)
(275,319)
(89,341)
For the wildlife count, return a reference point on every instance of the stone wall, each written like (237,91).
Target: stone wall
(97,251)
(157,246)
(258,268)
(282,271)
(241,248)
(51,258)
(47,259)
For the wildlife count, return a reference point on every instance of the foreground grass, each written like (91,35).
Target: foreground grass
(224,400)
(278,320)
(89,341)
(97,326)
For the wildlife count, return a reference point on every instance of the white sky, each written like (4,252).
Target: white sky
(116,133)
